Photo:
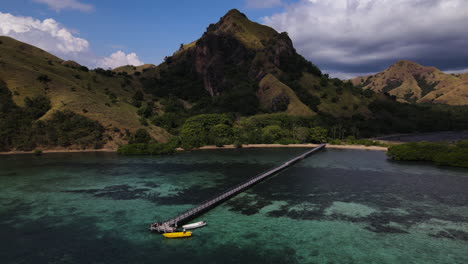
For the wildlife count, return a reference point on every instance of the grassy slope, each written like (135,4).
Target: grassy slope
(70,88)
(248,32)
(271,87)
(448,89)
(129,69)
(347,105)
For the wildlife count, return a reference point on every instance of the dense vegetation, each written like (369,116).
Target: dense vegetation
(439,153)
(22,129)
(148,149)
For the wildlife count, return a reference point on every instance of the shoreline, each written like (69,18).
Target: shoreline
(52,151)
(356,147)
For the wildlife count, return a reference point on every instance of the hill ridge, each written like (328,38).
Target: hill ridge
(413,83)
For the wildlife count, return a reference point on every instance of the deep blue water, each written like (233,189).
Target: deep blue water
(339,206)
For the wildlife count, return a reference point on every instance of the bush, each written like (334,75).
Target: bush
(37,106)
(237,144)
(197,131)
(37,152)
(457,157)
(318,135)
(273,133)
(148,149)
(141,137)
(438,153)
(423,151)
(43,78)
(301,134)
(221,134)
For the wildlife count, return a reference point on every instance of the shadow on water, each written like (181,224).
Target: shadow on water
(48,241)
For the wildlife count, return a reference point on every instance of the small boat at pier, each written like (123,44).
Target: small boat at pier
(194,225)
(178,234)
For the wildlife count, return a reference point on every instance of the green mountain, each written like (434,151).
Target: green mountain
(247,73)
(243,67)
(27,72)
(411,82)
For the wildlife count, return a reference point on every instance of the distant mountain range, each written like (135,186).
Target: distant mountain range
(413,83)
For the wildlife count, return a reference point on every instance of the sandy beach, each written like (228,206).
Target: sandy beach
(359,147)
(49,151)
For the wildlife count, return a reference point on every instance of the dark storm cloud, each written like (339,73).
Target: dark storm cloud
(353,37)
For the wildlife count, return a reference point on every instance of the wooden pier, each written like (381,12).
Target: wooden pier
(172,224)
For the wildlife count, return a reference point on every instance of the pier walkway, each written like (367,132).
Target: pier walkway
(172,224)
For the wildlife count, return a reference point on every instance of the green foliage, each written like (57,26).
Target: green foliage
(141,136)
(221,134)
(318,134)
(148,149)
(38,152)
(146,110)
(169,121)
(37,106)
(457,157)
(422,151)
(391,84)
(301,134)
(20,129)
(393,117)
(107,73)
(179,79)
(438,153)
(137,98)
(43,78)
(425,86)
(305,96)
(237,144)
(462,144)
(295,65)
(196,130)
(66,128)
(272,134)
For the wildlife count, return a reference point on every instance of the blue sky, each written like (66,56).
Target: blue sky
(151,29)
(345,38)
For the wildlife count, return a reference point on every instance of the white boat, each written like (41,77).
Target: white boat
(194,225)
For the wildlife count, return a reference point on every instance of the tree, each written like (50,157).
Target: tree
(271,134)
(318,135)
(221,134)
(301,134)
(141,137)
(137,98)
(37,106)
(146,110)
(193,135)
(43,78)
(196,130)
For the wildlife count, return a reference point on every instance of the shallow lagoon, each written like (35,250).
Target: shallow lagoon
(338,206)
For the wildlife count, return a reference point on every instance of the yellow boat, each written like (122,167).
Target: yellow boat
(178,234)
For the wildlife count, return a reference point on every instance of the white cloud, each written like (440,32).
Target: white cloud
(118,59)
(59,5)
(254,4)
(457,71)
(343,35)
(347,75)
(47,34)
(52,37)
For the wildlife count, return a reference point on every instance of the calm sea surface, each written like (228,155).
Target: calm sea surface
(338,206)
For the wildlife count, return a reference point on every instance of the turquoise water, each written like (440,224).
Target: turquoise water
(338,206)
